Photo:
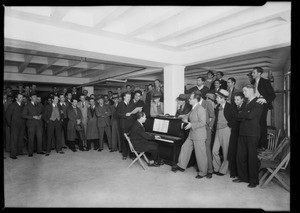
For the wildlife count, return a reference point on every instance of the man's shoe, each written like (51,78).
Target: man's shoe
(64,147)
(220,174)
(99,150)
(252,185)
(47,154)
(176,168)
(199,177)
(237,180)
(124,158)
(161,163)
(30,155)
(233,176)
(41,153)
(153,165)
(209,175)
(14,158)
(61,152)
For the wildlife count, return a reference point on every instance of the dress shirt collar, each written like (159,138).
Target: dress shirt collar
(199,88)
(54,105)
(223,105)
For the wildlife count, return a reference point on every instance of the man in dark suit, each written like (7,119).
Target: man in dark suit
(265,93)
(200,87)
(75,94)
(63,105)
(231,90)
(219,76)
(247,162)
(127,118)
(233,141)
(183,108)
(140,140)
(33,113)
(103,114)
(53,120)
(16,123)
(223,122)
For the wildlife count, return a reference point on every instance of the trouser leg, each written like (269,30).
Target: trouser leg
(208,150)
(242,158)
(101,134)
(225,135)
(215,152)
(58,136)
(252,159)
(185,153)
(201,157)
(263,141)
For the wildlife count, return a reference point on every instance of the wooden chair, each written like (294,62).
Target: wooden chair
(271,155)
(273,137)
(277,163)
(137,154)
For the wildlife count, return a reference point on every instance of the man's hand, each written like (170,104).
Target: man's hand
(78,121)
(157,137)
(261,101)
(36,117)
(188,126)
(128,113)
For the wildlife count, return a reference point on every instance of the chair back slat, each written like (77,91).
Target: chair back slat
(280,147)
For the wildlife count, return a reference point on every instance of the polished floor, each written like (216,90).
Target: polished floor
(102,179)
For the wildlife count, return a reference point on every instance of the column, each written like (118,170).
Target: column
(173,86)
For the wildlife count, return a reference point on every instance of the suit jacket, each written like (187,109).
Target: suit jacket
(140,103)
(203,90)
(14,115)
(139,138)
(83,110)
(103,114)
(125,121)
(250,117)
(29,111)
(48,112)
(223,84)
(210,113)
(72,116)
(186,109)
(228,114)
(92,129)
(266,90)
(197,117)
(63,109)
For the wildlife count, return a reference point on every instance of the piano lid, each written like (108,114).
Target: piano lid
(163,125)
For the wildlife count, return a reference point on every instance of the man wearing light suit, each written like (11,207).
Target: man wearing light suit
(196,121)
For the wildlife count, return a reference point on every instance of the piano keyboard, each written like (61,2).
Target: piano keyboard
(165,138)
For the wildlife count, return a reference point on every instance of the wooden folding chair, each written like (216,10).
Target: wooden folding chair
(273,137)
(274,165)
(271,155)
(137,154)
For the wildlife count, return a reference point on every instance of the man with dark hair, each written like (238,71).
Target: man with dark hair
(63,106)
(247,161)
(16,122)
(158,89)
(200,87)
(231,89)
(107,101)
(266,95)
(53,120)
(196,120)
(140,140)
(103,114)
(233,141)
(137,99)
(75,128)
(92,134)
(148,100)
(219,76)
(125,112)
(210,78)
(69,97)
(75,93)
(33,113)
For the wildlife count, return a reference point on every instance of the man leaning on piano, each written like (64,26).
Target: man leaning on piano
(141,141)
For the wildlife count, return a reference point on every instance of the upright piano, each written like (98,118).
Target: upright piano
(171,131)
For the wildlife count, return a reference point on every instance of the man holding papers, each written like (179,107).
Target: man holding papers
(196,120)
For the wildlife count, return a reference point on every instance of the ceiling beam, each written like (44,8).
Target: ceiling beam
(157,20)
(200,24)
(112,16)
(225,63)
(77,71)
(42,68)
(62,69)
(24,65)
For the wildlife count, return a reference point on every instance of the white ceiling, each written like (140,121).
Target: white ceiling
(174,32)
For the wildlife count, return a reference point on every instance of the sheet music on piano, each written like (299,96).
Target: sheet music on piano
(160,125)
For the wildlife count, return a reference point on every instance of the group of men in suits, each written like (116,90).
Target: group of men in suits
(237,123)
